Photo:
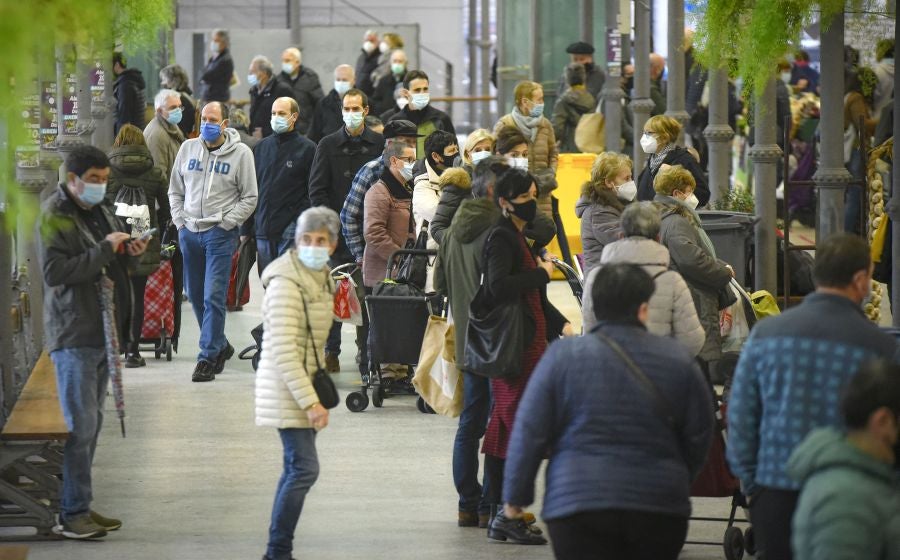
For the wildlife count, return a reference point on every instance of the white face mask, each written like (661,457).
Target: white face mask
(692,201)
(214,47)
(519,162)
(478,156)
(402,102)
(626,191)
(341,87)
(384,47)
(649,144)
(369,46)
(407,171)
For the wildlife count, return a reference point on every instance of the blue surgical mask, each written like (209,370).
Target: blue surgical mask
(210,132)
(407,171)
(174,116)
(420,101)
(341,87)
(252,80)
(537,110)
(93,193)
(353,120)
(397,68)
(478,156)
(280,124)
(312,257)
(287,67)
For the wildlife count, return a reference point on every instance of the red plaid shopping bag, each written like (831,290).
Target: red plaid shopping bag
(159,303)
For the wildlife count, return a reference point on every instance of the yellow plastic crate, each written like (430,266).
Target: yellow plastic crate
(573,171)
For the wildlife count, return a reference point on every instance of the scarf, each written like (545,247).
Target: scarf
(657,159)
(398,190)
(527,125)
(693,217)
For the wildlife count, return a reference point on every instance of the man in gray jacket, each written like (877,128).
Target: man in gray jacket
(212,191)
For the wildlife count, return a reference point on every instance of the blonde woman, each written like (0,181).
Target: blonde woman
(528,117)
(660,134)
(602,200)
(479,145)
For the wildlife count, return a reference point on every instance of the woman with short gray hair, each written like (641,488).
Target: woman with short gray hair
(297,313)
(175,77)
(672,312)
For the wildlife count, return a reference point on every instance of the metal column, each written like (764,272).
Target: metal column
(625,29)
(486,120)
(765,154)
(641,104)
(587,21)
(893,206)
(831,177)
(612,92)
(101,110)
(473,60)
(676,80)
(718,135)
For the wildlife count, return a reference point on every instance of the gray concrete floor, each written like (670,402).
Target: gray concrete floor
(195,477)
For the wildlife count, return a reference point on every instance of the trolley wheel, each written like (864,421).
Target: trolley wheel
(169,350)
(749,541)
(734,543)
(423,407)
(157,352)
(254,361)
(378,396)
(357,401)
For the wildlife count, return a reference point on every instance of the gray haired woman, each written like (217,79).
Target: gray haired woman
(297,313)
(672,312)
(175,77)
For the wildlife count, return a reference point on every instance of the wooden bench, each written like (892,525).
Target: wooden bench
(31,456)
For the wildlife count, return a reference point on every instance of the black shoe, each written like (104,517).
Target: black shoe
(134,360)
(205,371)
(223,357)
(512,530)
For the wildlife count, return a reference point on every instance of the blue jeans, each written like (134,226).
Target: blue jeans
(207,268)
(472,425)
(301,469)
(267,251)
(82,378)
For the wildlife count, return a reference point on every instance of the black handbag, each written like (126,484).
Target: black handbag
(495,335)
(413,269)
(321,381)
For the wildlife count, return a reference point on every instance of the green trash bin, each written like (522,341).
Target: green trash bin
(731,234)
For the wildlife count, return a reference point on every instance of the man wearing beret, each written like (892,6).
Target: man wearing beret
(583,53)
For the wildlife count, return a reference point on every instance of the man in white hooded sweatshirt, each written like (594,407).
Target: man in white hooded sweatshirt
(212,191)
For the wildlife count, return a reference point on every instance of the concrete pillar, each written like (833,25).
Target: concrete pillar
(718,135)
(473,59)
(831,177)
(101,110)
(536,43)
(294,22)
(675,63)
(641,104)
(587,21)
(83,70)
(765,155)
(612,92)
(487,120)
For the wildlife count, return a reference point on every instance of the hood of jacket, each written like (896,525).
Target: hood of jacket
(827,448)
(131,160)
(601,197)
(291,268)
(457,177)
(636,250)
(131,75)
(580,99)
(473,218)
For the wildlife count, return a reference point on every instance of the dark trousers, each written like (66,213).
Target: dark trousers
(138,287)
(618,535)
(771,511)
(269,250)
(472,424)
(493,480)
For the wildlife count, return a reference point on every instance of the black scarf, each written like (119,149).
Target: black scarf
(398,190)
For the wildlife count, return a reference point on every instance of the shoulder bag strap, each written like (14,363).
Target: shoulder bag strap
(660,402)
(309,333)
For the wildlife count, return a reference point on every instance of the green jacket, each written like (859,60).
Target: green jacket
(849,507)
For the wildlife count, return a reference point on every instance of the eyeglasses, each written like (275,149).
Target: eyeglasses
(407,159)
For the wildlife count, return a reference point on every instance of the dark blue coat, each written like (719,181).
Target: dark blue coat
(608,446)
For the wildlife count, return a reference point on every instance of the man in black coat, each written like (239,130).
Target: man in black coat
(128,89)
(304,82)
(328,116)
(283,163)
(215,81)
(338,157)
(264,90)
(594,77)
(420,111)
(367,63)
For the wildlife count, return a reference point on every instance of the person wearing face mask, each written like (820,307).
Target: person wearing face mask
(338,158)
(788,382)
(401,100)
(389,45)
(582,53)
(215,81)
(303,80)
(420,111)
(297,309)
(388,87)
(693,254)
(283,164)
(660,134)
(162,135)
(83,251)
(129,91)
(568,110)
(175,77)
(328,116)
(513,272)
(600,207)
(850,502)
(388,222)
(264,90)
(528,118)
(212,191)
(367,63)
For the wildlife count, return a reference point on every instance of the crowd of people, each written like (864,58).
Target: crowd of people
(624,412)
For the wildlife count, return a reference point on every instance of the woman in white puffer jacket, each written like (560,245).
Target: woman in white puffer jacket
(672,312)
(297,313)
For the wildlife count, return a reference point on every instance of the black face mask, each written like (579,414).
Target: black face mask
(525,210)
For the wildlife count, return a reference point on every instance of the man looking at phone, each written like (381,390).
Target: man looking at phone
(85,258)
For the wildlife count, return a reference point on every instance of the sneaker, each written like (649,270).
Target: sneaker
(205,371)
(332,365)
(223,357)
(134,360)
(80,527)
(107,523)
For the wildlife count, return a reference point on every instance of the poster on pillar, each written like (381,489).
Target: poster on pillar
(98,83)
(70,105)
(28,154)
(614,52)
(49,114)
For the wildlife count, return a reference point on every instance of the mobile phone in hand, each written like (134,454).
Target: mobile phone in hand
(148,234)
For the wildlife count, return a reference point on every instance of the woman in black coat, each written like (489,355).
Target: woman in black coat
(660,134)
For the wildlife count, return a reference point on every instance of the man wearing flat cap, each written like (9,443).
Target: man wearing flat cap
(583,53)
